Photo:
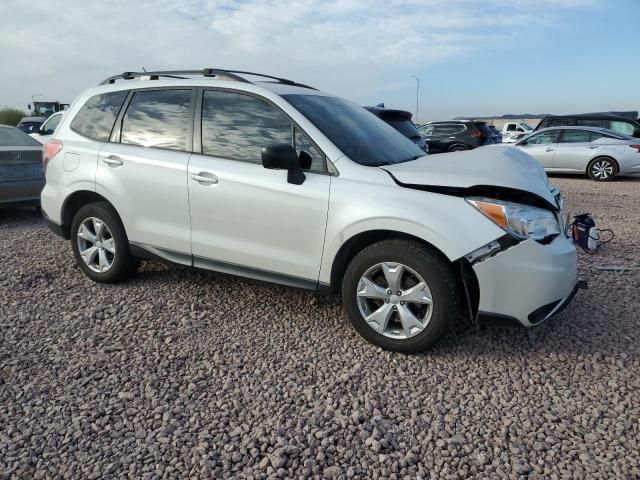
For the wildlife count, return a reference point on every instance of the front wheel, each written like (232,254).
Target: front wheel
(400,295)
(100,244)
(602,169)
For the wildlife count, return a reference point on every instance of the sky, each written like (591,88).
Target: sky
(473,58)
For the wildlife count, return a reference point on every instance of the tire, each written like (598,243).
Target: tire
(111,260)
(602,169)
(458,148)
(419,262)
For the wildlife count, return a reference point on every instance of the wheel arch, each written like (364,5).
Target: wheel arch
(75,202)
(350,248)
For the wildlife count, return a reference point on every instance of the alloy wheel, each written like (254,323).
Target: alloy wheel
(394,300)
(96,244)
(602,169)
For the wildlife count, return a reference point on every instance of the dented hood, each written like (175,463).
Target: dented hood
(499,169)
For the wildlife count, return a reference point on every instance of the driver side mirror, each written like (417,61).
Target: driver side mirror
(284,157)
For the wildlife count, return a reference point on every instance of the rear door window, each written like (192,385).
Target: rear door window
(97,116)
(622,127)
(449,128)
(576,136)
(544,138)
(157,119)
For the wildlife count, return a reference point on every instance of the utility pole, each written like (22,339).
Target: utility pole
(417,96)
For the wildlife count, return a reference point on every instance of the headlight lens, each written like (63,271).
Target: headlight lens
(519,220)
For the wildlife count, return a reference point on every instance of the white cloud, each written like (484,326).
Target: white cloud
(353,48)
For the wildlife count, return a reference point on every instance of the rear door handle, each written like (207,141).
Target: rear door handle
(205,177)
(113,160)
(595,146)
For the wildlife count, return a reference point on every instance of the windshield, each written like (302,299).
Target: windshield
(10,137)
(359,134)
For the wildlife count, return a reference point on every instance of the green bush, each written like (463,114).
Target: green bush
(11,116)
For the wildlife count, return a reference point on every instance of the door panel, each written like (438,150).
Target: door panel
(543,153)
(249,216)
(542,146)
(148,188)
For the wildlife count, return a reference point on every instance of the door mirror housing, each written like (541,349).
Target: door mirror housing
(284,157)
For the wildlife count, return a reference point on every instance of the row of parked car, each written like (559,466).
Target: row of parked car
(598,145)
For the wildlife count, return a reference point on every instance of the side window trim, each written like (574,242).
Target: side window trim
(116,132)
(197,126)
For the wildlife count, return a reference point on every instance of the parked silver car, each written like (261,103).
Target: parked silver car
(21,174)
(599,153)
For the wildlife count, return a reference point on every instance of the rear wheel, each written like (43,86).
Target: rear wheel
(602,169)
(400,295)
(458,148)
(100,244)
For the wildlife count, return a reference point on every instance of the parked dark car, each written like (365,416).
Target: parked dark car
(617,123)
(401,121)
(21,174)
(456,135)
(497,134)
(30,124)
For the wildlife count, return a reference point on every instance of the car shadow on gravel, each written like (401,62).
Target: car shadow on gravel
(13,216)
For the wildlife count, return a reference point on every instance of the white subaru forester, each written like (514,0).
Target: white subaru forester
(277,181)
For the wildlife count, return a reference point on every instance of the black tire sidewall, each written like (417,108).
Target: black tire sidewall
(431,266)
(123,262)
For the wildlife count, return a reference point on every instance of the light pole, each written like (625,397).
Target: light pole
(417,96)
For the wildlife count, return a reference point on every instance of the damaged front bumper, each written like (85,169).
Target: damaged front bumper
(526,283)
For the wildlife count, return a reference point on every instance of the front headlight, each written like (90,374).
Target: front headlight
(520,220)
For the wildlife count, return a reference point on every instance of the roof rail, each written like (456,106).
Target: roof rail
(205,72)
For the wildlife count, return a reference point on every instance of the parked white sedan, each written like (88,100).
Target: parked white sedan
(597,152)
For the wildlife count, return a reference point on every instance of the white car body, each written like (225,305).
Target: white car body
(514,131)
(570,153)
(48,128)
(250,221)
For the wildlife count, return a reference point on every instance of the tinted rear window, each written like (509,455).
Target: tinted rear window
(10,137)
(157,119)
(96,118)
(404,126)
(484,129)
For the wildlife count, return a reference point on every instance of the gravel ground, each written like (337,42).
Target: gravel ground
(181,373)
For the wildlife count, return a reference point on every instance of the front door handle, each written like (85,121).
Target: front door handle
(204,177)
(113,160)
(595,146)
(549,149)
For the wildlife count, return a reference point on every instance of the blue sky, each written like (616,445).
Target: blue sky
(473,57)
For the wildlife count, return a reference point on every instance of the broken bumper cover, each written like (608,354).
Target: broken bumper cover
(528,282)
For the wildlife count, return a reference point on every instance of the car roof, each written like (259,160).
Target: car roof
(597,116)
(455,121)
(256,87)
(574,127)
